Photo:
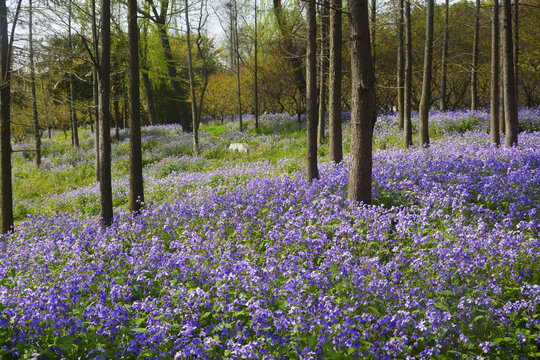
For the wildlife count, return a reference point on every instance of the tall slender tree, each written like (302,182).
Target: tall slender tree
(407,123)
(105,186)
(191,81)
(373,28)
(72,110)
(323,67)
(136,186)
(95,89)
(37,131)
(494,125)
(425,100)
(237,55)
(400,65)
(443,105)
(311,92)
(362,103)
(515,17)
(5,125)
(334,90)
(256,68)
(474,69)
(510,105)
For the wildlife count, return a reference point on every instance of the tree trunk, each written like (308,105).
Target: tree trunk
(37,132)
(362,103)
(194,116)
(515,15)
(73,114)
(255,72)
(443,104)
(334,90)
(501,75)
(105,115)
(425,101)
(323,71)
(116,108)
(400,66)
(494,128)
(173,75)
(311,92)
(373,32)
(407,123)
(510,106)
(5,125)
(136,188)
(237,54)
(149,98)
(474,76)
(95,91)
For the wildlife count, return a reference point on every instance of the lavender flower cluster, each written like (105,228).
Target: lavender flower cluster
(244,261)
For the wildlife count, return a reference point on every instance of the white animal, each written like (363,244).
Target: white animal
(240,147)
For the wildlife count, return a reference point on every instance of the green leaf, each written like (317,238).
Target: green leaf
(139,330)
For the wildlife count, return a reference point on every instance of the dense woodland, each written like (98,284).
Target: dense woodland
(269,179)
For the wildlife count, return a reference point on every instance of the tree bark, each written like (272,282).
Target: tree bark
(515,16)
(501,74)
(362,103)
(407,123)
(494,103)
(323,71)
(72,111)
(400,66)
(95,90)
(510,105)
(334,90)
(37,132)
(136,187)
(255,72)
(237,54)
(5,125)
(191,82)
(116,108)
(474,76)
(425,101)
(149,98)
(443,104)
(105,115)
(311,92)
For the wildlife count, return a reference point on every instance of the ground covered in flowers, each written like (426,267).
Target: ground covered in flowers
(236,256)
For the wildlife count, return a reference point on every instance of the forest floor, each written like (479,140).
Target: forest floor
(237,256)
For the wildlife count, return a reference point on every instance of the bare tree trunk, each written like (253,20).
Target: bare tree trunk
(362,103)
(443,104)
(474,76)
(194,115)
(334,91)
(501,78)
(494,128)
(5,125)
(425,101)
(116,108)
(311,92)
(323,71)
(407,125)
(37,132)
(136,187)
(95,88)
(72,111)
(515,15)
(149,98)
(255,71)
(400,66)
(105,115)
(510,106)
(237,54)
(373,23)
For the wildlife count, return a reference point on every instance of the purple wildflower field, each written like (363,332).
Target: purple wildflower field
(246,260)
